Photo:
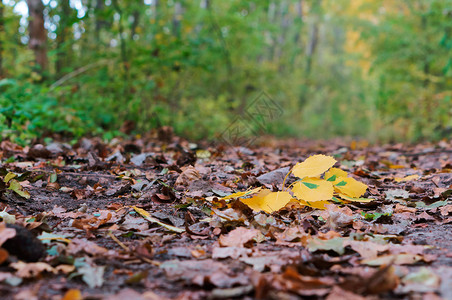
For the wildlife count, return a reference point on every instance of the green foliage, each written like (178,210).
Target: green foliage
(374,69)
(28,111)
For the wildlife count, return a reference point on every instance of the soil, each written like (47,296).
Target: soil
(88,205)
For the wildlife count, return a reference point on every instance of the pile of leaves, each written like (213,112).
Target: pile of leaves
(151,220)
(310,189)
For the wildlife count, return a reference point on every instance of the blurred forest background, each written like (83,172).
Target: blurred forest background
(376,69)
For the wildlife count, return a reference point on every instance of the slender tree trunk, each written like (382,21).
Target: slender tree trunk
(313,38)
(2,32)
(298,25)
(123,46)
(64,53)
(38,33)
(134,25)
(285,23)
(271,16)
(177,16)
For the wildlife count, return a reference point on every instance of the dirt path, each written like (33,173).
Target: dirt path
(88,204)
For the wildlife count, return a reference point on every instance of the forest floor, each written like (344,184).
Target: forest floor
(146,219)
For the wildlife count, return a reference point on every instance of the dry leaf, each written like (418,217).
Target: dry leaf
(73,294)
(6,233)
(29,270)
(362,200)
(406,178)
(242,194)
(238,237)
(151,219)
(188,175)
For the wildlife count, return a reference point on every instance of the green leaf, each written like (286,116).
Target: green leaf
(15,186)
(374,216)
(9,176)
(53,177)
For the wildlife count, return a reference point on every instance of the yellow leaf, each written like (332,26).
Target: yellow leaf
(268,201)
(256,202)
(333,175)
(391,166)
(313,189)
(73,295)
(407,178)
(313,166)
(276,201)
(242,194)
(362,200)
(315,204)
(151,219)
(350,187)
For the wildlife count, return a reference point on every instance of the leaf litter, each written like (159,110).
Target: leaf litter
(155,220)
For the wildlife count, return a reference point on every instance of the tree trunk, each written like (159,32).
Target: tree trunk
(135,23)
(177,16)
(313,38)
(2,32)
(123,46)
(100,21)
(298,25)
(64,53)
(38,33)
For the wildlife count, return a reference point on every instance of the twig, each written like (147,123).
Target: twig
(121,244)
(76,73)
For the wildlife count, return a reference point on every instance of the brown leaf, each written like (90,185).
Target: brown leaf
(6,233)
(238,237)
(30,270)
(188,175)
(3,256)
(338,293)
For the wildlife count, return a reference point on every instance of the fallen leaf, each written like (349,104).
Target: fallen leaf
(188,175)
(29,270)
(333,175)
(242,194)
(350,187)
(335,244)
(313,166)
(238,237)
(73,294)
(398,193)
(338,293)
(423,280)
(313,189)
(151,219)
(361,200)
(397,259)
(268,201)
(406,178)
(6,233)
(92,275)
(15,186)
(315,204)
(232,252)
(3,256)
(367,249)
(7,218)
